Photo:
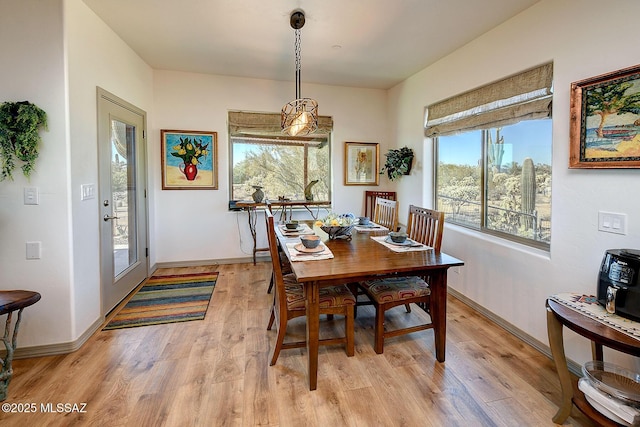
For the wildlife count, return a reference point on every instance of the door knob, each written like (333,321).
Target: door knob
(107,217)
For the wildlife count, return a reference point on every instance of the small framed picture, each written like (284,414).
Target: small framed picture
(361,163)
(189,160)
(605,121)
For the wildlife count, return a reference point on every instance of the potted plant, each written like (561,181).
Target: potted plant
(20,123)
(398,163)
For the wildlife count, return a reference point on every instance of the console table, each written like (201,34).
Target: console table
(11,301)
(600,334)
(283,206)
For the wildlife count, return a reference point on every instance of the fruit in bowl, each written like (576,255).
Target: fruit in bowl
(337,225)
(310,241)
(398,236)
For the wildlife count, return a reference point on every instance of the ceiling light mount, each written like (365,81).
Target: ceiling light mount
(300,116)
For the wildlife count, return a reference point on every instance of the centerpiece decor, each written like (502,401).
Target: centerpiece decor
(337,226)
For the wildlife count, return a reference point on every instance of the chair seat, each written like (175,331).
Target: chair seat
(395,289)
(331,296)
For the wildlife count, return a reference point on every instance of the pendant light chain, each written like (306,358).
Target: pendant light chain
(298,53)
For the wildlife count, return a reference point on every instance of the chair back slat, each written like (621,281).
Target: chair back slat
(386,213)
(280,296)
(370,200)
(426,226)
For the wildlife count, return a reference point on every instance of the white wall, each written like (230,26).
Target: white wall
(33,69)
(583,38)
(95,57)
(54,54)
(200,102)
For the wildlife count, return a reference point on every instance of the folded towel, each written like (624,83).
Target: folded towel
(608,406)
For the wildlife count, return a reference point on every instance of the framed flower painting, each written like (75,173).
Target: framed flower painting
(189,160)
(361,163)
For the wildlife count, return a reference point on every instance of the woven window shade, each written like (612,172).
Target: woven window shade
(524,96)
(244,123)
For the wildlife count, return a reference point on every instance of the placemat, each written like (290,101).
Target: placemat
(372,226)
(302,229)
(415,246)
(588,304)
(300,256)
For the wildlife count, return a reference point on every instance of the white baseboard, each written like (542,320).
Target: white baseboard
(55,349)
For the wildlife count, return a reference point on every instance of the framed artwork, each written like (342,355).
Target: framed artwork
(361,163)
(605,121)
(189,160)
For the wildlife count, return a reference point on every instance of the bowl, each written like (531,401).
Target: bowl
(363,220)
(337,231)
(397,236)
(613,380)
(291,225)
(310,241)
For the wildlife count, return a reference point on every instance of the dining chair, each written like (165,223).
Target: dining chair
(289,303)
(425,226)
(370,200)
(284,262)
(386,213)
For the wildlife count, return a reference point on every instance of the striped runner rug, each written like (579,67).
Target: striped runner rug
(167,299)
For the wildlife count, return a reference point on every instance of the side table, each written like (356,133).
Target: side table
(11,301)
(600,335)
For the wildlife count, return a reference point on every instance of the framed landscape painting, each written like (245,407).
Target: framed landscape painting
(605,121)
(189,160)
(361,162)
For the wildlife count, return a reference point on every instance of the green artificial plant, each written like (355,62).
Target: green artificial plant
(398,163)
(20,124)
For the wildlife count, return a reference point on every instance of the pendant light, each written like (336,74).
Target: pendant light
(300,116)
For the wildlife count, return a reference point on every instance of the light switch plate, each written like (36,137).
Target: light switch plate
(31,196)
(611,222)
(87,191)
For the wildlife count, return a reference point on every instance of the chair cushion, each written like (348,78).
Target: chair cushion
(395,288)
(331,296)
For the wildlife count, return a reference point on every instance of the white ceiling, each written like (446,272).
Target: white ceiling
(358,43)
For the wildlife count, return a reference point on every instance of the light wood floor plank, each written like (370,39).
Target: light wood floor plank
(216,372)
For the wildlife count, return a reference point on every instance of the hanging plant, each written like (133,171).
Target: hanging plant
(398,163)
(20,124)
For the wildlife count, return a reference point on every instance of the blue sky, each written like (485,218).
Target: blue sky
(531,138)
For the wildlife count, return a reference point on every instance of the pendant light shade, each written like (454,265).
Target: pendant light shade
(300,116)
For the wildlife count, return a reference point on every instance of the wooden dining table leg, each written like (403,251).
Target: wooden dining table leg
(313,327)
(554,330)
(438,310)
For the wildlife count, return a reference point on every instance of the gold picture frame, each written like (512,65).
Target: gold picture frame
(605,121)
(361,163)
(189,160)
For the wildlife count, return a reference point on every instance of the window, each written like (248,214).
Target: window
(493,173)
(283,166)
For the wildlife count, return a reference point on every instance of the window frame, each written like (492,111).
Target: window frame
(538,244)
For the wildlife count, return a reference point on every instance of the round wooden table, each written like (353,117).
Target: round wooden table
(11,301)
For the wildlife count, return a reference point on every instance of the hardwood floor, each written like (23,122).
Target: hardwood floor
(216,372)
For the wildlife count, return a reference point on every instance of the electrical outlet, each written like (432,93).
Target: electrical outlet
(33,250)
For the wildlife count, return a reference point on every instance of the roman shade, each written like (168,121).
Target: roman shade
(524,96)
(245,123)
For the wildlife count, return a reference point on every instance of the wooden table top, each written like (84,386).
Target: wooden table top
(15,300)
(594,330)
(363,257)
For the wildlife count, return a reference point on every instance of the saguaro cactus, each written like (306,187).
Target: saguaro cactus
(528,188)
(496,151)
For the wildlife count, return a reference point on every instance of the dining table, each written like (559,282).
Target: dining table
(360,257)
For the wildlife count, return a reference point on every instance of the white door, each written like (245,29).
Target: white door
(123,207)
